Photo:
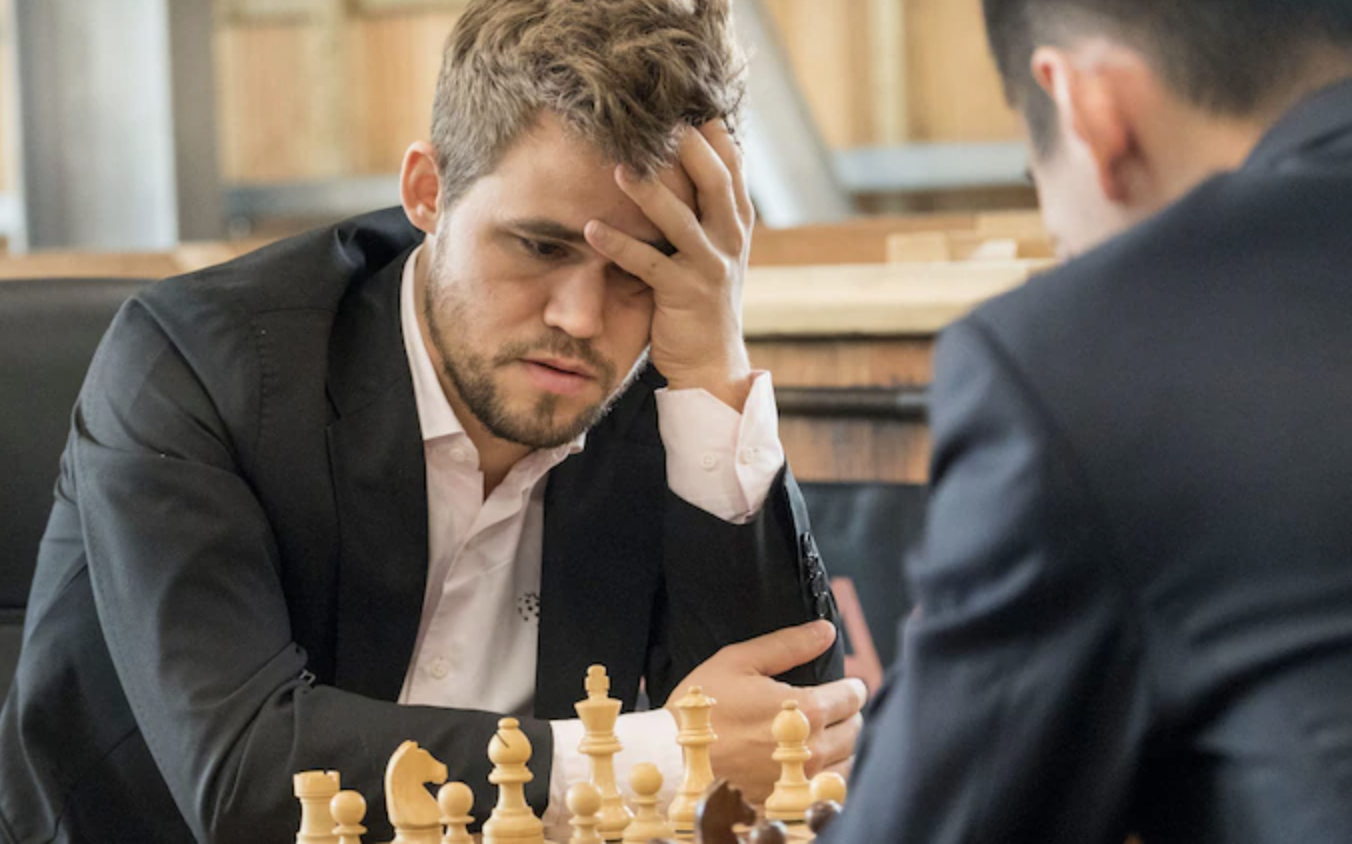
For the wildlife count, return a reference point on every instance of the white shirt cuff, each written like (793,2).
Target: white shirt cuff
(645,736)
(719,460)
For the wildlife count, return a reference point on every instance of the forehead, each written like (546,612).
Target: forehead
(552,173)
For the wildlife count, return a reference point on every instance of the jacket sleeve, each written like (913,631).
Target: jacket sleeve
(724,583)
(1018,709)
(185,574)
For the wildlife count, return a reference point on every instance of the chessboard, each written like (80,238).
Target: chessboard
(705,810)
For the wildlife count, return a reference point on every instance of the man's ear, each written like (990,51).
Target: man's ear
(1088,102)
(420,187)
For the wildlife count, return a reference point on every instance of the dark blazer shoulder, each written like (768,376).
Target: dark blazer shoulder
(313,270)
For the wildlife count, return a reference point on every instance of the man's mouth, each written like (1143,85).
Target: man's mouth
(561,377)
(567,367)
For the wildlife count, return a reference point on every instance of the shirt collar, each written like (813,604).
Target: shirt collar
(435,415)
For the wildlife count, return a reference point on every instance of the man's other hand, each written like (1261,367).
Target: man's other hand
(740,678)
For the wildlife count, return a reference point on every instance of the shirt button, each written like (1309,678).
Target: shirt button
(746,455)
(439,669)
(460,454)
(708,462)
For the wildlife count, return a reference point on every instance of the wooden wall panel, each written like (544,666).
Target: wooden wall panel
(395,61)
(280,101)
(851,449)
(887,71)
(828,46)
(953,89)
(336,90)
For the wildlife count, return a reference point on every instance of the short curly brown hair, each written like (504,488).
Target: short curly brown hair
(625,75)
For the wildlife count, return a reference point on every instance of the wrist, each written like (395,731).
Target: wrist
(729,382)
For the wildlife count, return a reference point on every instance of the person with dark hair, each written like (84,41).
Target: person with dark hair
(1135,592)
(401,477)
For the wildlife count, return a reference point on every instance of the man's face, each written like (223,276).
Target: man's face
(534,331)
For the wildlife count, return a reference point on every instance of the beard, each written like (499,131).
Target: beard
(474,376)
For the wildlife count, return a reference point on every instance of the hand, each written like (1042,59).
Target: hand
(697,292)
(739,678)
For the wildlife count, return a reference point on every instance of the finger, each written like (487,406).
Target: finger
(714,190)
(839,701)
(673,218)
(635,257)
(717,134)
(777,652)
(836,743)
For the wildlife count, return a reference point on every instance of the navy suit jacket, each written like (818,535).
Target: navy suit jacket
(231,582)
(1136,589)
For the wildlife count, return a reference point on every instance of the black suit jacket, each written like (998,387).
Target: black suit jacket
(1136,589)
(230,586)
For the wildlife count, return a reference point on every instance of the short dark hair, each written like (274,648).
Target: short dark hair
(1228,56)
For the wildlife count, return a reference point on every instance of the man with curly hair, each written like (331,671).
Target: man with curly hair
(398,478)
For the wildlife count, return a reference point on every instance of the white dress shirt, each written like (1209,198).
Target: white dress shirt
(478,634)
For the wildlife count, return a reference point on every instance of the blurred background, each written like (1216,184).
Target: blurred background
(139,125)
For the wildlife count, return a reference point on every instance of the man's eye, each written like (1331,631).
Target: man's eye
(540,248)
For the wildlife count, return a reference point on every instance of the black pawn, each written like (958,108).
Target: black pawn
(769,832)
(821,814)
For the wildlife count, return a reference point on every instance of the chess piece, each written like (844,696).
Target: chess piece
(512,821)
(820,815)
(719,812)
(314,790)
(598,713)
(828,786)
(694,713)
(769,832)
(584,804)
(455,801)
(413,811)
(646,781)
(348,809)
(792,794)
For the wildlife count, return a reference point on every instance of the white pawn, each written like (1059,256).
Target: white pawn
(348,809)
(828,785)
(314,790)
(584,804)
(455,801)
(512,819)
(792,796)
(646,782)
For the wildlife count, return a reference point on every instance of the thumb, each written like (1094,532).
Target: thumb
(777,652)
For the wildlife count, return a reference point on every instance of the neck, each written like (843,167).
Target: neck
(496,456)
(1212,145)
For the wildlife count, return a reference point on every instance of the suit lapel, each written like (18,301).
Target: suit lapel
(602,559)
(380,489)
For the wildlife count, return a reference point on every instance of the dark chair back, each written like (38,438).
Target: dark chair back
(49,329)
(864,532)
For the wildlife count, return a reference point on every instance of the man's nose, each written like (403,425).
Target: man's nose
(577,301)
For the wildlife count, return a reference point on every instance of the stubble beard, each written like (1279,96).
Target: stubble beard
(473,376)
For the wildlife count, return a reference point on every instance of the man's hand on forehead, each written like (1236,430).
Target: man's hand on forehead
(697,322)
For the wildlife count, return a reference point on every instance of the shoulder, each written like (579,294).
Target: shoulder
(211,333)
(313,270)
(1234,231)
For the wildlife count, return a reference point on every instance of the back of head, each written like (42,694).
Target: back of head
(1237,58)
(624,74)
